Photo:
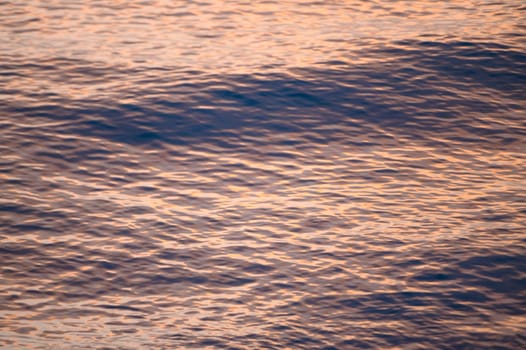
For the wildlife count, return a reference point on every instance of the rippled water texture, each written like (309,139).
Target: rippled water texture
(262,174)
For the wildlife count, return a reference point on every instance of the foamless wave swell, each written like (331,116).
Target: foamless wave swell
(339,203)
(457,91)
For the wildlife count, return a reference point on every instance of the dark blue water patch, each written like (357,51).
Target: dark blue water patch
(164,279)
(492,65)
(121,307)
(469,296)
(17,250)
(434,277)
(495,260)
(422,89)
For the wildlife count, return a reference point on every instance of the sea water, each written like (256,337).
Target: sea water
(262,174)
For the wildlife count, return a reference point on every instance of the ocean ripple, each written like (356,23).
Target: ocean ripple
(257,175)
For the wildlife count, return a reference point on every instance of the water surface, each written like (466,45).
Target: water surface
(262,174)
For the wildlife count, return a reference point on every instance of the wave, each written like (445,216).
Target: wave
(455,92)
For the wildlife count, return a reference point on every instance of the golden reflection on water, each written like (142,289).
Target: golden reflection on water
(234,36)
(340,174)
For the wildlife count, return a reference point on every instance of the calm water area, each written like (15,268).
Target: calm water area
(212,174)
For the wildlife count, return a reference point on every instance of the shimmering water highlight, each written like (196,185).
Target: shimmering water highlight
(262,175)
